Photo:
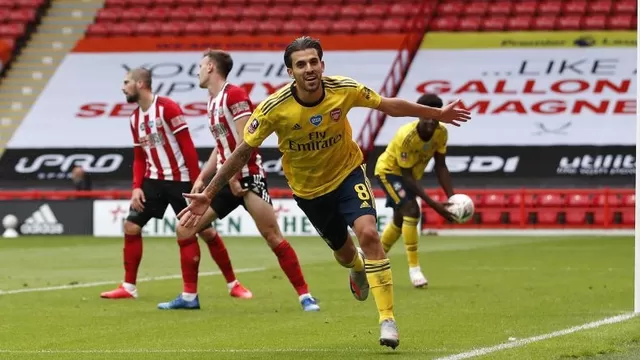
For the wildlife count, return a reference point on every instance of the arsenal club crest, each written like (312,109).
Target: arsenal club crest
(336,114)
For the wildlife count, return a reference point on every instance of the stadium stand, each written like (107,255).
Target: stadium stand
(18,19)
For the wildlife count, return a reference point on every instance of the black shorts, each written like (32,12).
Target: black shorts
(225,202)
(331,213)
(397,193)
(159,194)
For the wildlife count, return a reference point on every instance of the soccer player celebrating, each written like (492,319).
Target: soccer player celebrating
(399,169)
(323,166)
(229,109)
(165,165)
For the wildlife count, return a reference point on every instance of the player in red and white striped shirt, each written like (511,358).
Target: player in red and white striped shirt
(165,166)
(229,109)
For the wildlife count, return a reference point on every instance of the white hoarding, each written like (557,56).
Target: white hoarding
(558,96)
(108,217)
(83,104)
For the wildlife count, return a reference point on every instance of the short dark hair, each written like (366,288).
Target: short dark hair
(142,74)
(222,59)
(299,44)
(432,100)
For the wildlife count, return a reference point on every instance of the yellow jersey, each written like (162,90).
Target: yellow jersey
(316,141)
(407,151)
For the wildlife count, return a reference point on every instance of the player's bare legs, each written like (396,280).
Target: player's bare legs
(379,275)
(218,252)
(132,256)
(265,219)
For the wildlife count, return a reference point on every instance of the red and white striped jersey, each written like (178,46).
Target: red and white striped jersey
(231,104)
(155,131)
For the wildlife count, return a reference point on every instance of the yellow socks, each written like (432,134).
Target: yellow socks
(390,235)
(410,236)
(357,264)
(381,286)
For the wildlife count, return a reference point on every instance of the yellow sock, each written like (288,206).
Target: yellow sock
(390,235)
(357,264)
(381,286)
(410,237)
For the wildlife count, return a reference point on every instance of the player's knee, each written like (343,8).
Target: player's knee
(208,234)
(411,209)
(271,233)
(368,234)
(184,232)
(131,228)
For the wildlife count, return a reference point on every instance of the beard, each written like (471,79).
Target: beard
(133,98)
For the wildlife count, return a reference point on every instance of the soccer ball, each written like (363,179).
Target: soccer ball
(461,207)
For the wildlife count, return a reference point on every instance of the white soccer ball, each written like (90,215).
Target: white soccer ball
(10,221)
(461,207)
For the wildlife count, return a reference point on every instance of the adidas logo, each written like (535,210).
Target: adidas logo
(296,127)
(42,221)
(364,205)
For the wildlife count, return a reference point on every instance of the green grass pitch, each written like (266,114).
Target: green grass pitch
(483,291)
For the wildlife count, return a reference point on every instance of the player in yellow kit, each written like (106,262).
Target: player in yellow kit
(323,166)
(399,170)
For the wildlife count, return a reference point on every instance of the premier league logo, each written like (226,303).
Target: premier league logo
(316,120)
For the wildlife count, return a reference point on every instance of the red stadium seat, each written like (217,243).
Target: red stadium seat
(220,27)
(447,23)
(205,13)
(343,26)
(450,8)
(521,22)
(211,3)
(494,200)
(491,216)
(369,26)
(147,28)
(22,15)
(172,28)
(170,3)
(189,3)
(31,4)
(502,7)
(431,217)
(196,28)
(549,200)
(255,12)
(620,22)
(158,14)
(575,7)
(393,25)
(525,7)
(478,8)
(629,200)
(599,217)
(611,200)
(245,27)
(518,200)
(376,10)
(550,7)
(569,22)
(182,13)
(12,30)
(516,217)
(594,22)
(268,27)
(141,3)
(494,23)
(625,6)
(402,9)
(115,3)
(121,29)
(285,2)
(575,216)
(547,216)
(280,12)
(599,6)
(108,15)
(133,14)
(258,2)
(471,23)
(578,200)
(294,27)
(327,12)
(98,30)
(629,217)
(544,22)
(235,3)
(352,11)
(229,12)
(319,26)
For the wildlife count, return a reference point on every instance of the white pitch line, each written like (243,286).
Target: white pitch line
(530,340)
(100,283)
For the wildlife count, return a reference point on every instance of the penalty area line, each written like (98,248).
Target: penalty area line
(523,342)
(101,283)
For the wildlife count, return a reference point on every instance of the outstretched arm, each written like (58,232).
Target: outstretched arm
(238,158)
(399,107)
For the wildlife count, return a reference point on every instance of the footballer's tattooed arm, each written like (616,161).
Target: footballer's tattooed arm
(238,158)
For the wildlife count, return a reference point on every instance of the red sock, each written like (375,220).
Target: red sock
(132,255)
(291,266)
(189,262)
(221,257)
